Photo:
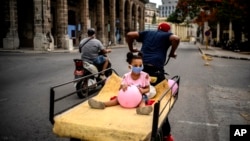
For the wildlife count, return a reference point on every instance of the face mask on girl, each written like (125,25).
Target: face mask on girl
(136,69)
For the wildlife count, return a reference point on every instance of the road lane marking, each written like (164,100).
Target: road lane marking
(199,123)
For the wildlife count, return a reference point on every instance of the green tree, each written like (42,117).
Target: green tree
(188,8)
(221,11)
(174,18)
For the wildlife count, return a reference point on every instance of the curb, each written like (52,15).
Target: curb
(227,57)
(222,56)
(37,52)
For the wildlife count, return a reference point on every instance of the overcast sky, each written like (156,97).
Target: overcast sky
(158,2)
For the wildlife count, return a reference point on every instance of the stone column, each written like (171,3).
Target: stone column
(62,24)
(48,24)
(112,21)
(11,41)
(129,18)
(136,19)
(100,21)
(142,20)
(43,39)
(122,29)
(84,17)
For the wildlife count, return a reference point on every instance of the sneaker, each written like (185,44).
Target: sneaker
(103,77)
(96,104)
(144,110)
(169,138)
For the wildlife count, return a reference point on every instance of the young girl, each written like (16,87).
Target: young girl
(135,77)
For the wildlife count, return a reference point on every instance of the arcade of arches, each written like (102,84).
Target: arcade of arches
(43,24)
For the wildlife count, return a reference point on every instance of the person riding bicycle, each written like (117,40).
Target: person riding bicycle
(90,49)
(155,45)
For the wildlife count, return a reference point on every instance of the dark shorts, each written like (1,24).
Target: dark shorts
(100,60)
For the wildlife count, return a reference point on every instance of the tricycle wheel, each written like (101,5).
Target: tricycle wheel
(82,88)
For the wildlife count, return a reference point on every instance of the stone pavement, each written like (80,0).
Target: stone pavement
(221,53)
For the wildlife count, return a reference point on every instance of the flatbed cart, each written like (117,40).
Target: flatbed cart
(79,122)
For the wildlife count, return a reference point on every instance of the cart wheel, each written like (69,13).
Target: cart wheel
(82,88)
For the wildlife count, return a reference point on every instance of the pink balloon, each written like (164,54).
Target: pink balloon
(129,98)
(174,88)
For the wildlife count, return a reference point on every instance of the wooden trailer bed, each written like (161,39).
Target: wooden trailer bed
(113,123)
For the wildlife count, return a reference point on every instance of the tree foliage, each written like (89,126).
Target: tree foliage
(221,11)
(174,18)
(188,8)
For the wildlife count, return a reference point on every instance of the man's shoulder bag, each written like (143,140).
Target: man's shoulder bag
(81,45)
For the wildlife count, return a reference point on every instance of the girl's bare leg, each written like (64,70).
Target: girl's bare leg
(101,105)
(111,102)
(96,104)
(105,65)
(142,104)
(143,109)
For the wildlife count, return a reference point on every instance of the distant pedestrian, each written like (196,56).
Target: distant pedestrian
(207,37)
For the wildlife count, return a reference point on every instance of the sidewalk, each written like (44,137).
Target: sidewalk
(30,50)
(218,52)
(210,51)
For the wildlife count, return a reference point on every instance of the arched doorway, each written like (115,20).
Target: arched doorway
(26,22)
(72,26)
(3,25)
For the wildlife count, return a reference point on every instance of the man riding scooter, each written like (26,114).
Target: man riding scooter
(92,51)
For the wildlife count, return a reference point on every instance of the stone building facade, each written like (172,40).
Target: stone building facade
(49,24)
(150,10)
(167,7)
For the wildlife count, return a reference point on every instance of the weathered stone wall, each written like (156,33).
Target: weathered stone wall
(11,41)
(112,19)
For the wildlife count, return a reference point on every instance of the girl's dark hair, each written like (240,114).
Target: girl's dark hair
(131,56)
